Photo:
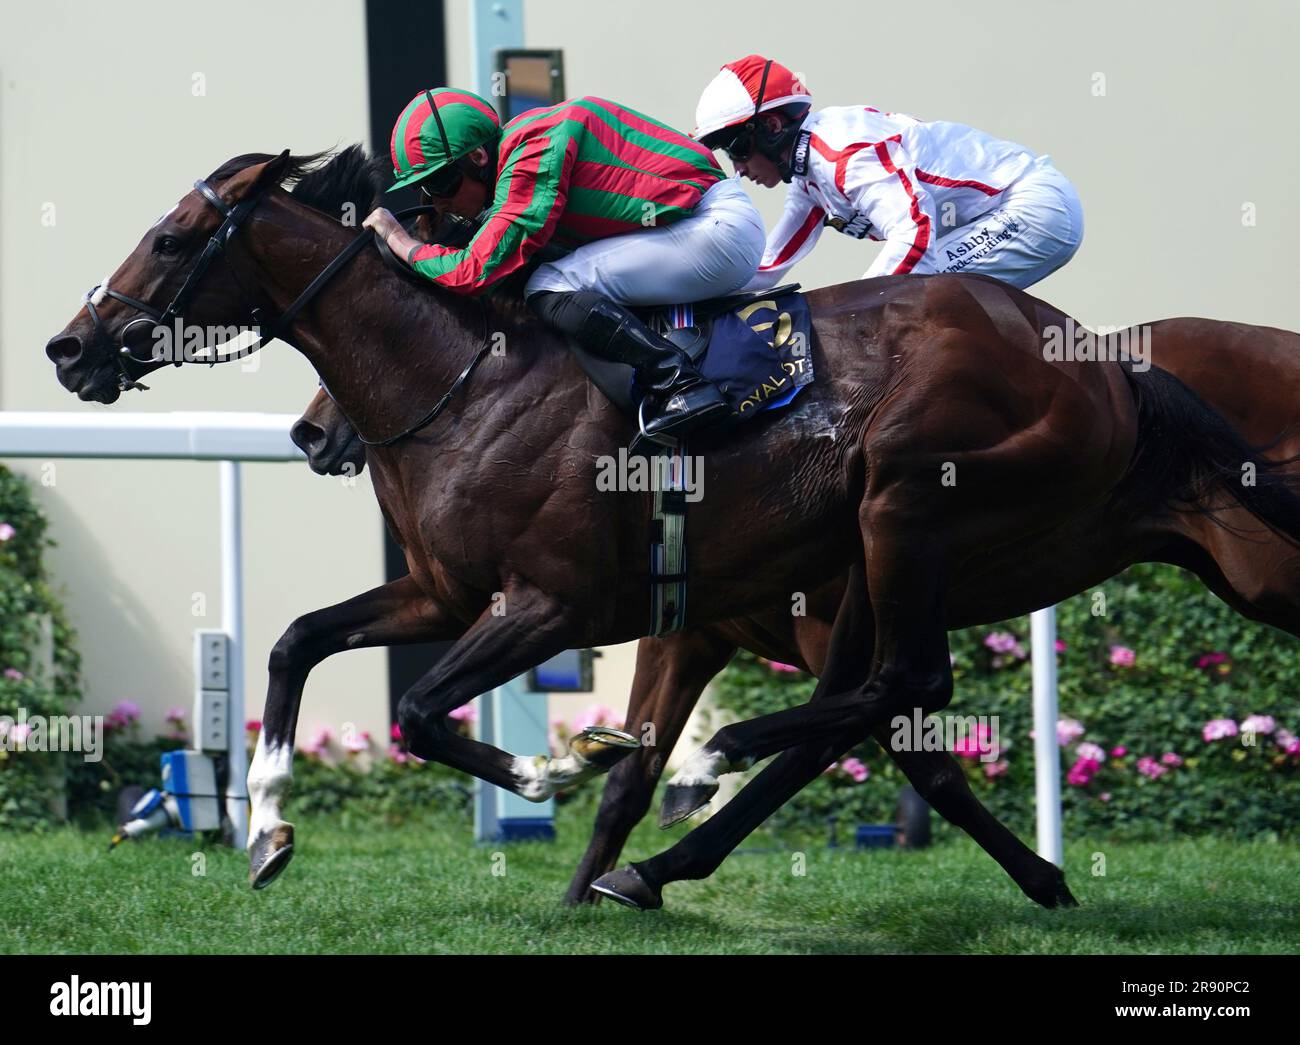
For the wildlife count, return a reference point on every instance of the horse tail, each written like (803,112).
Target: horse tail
(1189,458)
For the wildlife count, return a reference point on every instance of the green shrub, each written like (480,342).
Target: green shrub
(1194,660)
(30,781)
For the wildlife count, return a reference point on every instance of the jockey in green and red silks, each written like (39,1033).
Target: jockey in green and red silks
(647,212)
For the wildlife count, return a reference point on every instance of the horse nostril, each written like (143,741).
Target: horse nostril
(63,349)
(307,437)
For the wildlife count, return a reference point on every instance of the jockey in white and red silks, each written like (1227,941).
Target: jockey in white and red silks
(943,197)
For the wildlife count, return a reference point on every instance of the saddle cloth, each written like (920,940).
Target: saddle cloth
(755,347)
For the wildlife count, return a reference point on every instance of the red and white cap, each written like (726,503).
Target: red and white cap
(732,95)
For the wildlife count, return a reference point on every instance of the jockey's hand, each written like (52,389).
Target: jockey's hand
(387,227)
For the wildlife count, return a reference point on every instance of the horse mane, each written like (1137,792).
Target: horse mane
(327,181)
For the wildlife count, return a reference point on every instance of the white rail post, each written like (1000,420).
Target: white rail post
(232,622)
(1047,753)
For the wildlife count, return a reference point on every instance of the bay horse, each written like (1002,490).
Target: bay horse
(939,448)
(1253,380)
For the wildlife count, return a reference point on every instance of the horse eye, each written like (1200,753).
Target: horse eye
(166,245)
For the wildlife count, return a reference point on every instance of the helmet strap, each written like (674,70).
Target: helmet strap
(442,131)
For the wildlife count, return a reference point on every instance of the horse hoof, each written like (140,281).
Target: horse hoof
(1063,897)
(1052,893)
(603,747)
(681,800)
(270,855)
(628,887)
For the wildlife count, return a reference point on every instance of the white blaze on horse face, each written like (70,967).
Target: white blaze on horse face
(269,779)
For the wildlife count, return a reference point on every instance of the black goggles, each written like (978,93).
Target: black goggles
(442,184)
(741,147)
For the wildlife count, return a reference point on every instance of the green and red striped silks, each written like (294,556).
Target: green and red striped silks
(575,172)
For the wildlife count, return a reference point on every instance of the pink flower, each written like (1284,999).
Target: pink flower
(856,769)
(175,715)
(1068,731)
(395,733)
(1149,767)
(1171,759)
(1287,741)
(253,725)
(355,743)
(1118,752)
(1061,646)
(319,742)
(596,715)
(13,674)
(1081,773)
(973,746)
(785,669)
(464,713)
(1218,729)
(1104,796)
(6,531)
(20,732)
(996,769)
(1122,656)
(125,713)
(1006,646)
(1258,724)
(1211,659)
(396,753)
(1092,752)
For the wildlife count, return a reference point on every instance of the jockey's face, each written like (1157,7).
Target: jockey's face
(471,196)
(758,167)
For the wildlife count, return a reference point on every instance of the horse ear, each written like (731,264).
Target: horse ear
(259,176)
(273,170)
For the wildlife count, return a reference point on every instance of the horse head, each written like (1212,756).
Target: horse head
(173,298)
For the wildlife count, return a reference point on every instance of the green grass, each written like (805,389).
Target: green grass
(425,888)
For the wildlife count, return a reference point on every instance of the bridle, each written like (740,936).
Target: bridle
(232,219)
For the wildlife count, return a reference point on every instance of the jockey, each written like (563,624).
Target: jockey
(942,196)
(651,216)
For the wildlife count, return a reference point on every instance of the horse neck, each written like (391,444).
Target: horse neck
(374,340)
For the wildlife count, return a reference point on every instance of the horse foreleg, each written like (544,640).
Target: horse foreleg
(494,650)
(392,614)
(671,673)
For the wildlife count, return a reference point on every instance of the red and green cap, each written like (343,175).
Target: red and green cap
(438,127)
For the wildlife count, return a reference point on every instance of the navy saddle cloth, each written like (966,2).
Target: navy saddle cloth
(755,347)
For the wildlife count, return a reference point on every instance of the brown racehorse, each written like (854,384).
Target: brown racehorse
(938,447)
(1252,381)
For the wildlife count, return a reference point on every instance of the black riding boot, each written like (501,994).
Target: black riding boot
(678,398)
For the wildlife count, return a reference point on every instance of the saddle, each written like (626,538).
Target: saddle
(740,374)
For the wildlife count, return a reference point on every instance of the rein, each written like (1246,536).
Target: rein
(233,218)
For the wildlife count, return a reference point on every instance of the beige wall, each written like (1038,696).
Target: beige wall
(97,117)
